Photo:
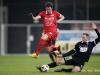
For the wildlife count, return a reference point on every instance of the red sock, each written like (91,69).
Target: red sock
(42,43)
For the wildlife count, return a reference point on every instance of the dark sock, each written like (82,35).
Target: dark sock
(51,57)
(67,70)
(51,65)
(54,54)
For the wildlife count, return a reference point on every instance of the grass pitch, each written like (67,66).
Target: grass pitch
(25,65)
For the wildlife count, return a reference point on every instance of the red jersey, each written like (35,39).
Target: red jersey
(49,21)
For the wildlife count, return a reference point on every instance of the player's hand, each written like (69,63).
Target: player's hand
(94,26)
(31,14)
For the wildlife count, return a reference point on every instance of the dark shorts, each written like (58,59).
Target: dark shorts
(74,63)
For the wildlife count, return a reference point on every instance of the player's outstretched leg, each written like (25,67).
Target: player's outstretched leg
(40,46)
(39,68)
(42,43)
(45,68)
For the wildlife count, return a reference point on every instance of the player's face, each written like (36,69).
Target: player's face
(85,38)
(49,10)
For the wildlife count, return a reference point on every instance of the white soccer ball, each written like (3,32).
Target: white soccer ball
(44,68)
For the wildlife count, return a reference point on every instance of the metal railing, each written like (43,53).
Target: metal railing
(27,35)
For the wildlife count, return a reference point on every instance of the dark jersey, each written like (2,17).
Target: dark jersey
(82,51)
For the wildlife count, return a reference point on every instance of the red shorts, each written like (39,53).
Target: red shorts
(51,37)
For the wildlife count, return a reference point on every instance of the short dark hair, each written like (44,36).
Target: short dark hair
(49,4)
(86,34)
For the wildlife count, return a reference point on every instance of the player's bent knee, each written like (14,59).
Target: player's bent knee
(76,69)
(45,37)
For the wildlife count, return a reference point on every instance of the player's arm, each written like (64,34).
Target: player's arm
(97,40)
(95,28)
(36,18)
(61,17)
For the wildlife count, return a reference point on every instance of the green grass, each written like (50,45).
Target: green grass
(25,65)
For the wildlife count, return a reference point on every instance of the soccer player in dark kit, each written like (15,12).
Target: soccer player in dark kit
(50,18)
(77,56)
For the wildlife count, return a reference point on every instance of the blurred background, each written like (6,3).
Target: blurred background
(19,35)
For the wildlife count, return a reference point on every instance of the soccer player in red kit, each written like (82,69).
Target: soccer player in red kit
(50,18)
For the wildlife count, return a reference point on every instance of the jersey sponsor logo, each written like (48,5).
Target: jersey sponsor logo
(83,49)
(49,21)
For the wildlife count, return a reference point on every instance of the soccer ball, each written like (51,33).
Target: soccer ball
(44,68)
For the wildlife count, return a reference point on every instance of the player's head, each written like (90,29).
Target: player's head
(48,7)
(85,37)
